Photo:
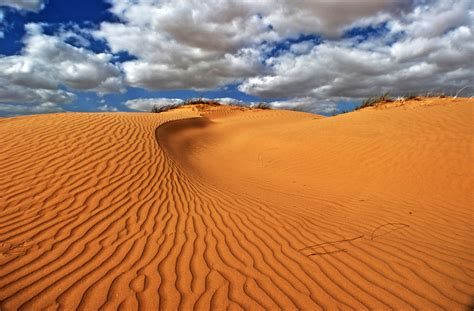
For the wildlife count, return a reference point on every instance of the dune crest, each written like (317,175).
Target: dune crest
(245,209)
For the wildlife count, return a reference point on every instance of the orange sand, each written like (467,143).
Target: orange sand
(249,209)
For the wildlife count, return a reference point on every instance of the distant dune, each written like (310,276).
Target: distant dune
(246,209)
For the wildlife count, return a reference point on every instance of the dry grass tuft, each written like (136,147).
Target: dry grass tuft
(198,102)
(159,109)
(374,101)
(262,105)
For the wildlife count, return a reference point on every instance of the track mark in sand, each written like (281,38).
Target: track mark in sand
(333,247)
(387,228)
(331,244)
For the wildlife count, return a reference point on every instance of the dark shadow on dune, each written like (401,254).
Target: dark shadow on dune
(171,137)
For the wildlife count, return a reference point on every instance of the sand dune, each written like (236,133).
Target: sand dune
(239,209)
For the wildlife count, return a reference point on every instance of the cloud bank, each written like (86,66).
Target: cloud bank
(307,54)
(29,5)
(404,46)
(47,65)
(414,55)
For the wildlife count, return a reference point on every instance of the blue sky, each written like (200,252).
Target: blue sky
(316,56)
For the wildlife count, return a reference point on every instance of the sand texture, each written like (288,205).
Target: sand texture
(239,209)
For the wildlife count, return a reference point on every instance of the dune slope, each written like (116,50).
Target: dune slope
(240,209)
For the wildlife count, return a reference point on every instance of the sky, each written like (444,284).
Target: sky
(318,56)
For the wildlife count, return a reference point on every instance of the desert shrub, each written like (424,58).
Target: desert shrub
(262,105)
(201,101)
(462,89)
(202,104)
(158,109)
(373,101)
(411,97)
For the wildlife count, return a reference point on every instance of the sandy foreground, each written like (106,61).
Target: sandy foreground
(224,208)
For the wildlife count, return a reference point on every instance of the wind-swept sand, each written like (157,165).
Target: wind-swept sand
(245,209)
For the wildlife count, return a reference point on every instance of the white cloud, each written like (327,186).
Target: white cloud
(418,61)
(423,45)
(29,5)
(12,93)
(231,101)
(307,104)
(330,18)
(146,104)
(14,109)
(202,45)
(199,75)
(432,19)
(47,63)
(106,107)
(186,44)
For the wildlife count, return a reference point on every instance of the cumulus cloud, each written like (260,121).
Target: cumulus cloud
(15,109)
(146,104)
(330,18)
(419,59)
(185,44)
(200,75)
(47,64)
(307,104)
(108,108)
(29,5)
(306,52)
(231,101)
(12,93)
(203,45)
(433,19)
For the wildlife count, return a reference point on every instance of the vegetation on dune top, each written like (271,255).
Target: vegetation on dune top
(386,98)
(262,105)
(158,109)
(201,103)
(193,101)
(373,101)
